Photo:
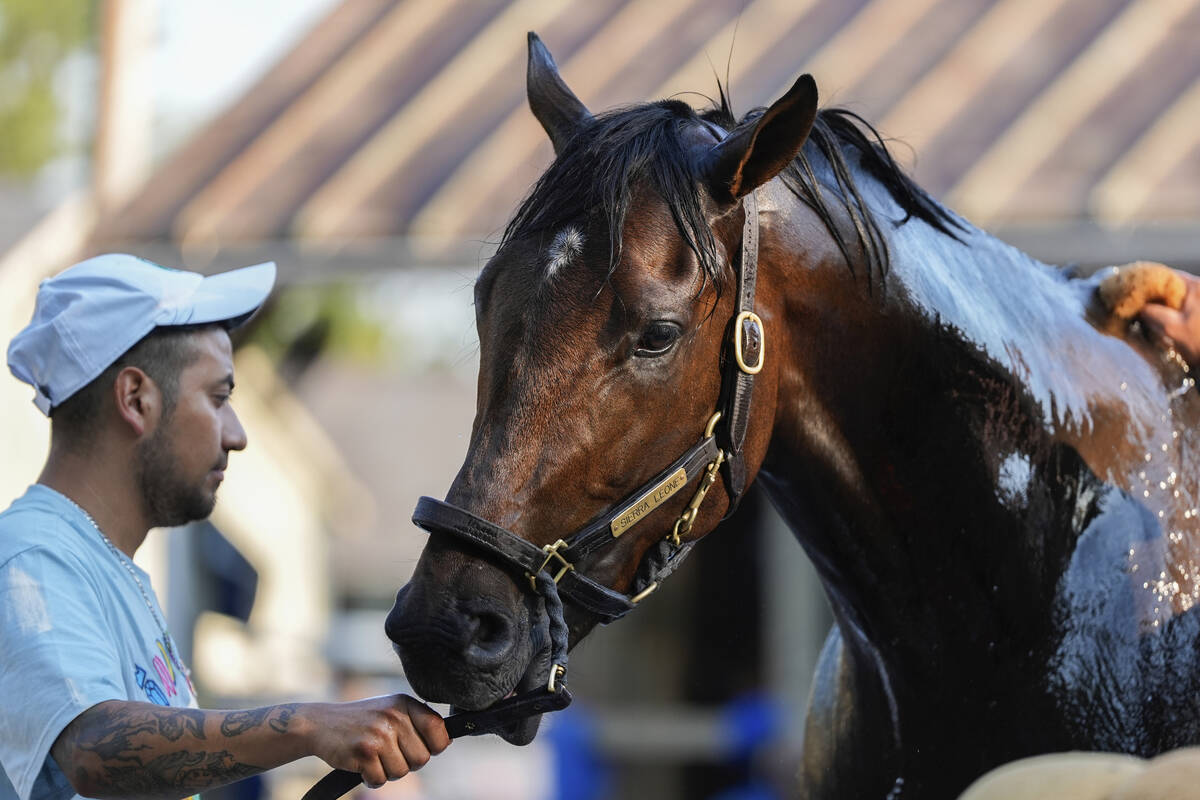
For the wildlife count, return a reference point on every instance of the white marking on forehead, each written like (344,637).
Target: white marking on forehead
(567,244)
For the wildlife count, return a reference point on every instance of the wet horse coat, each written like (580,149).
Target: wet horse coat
(999,498)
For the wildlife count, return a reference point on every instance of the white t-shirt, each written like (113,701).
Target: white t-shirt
(75,631)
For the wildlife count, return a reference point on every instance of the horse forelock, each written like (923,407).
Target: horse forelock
(656,146)
(599,174)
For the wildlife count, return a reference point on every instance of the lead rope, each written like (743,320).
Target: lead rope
(557,629)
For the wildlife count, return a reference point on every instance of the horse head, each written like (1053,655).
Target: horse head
(604,321)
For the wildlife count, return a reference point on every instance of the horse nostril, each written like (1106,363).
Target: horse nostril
(393,625)
(490,638)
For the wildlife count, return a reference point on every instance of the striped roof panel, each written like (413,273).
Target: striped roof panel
(408,119)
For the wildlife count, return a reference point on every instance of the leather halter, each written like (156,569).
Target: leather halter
(550,570)
(718,447)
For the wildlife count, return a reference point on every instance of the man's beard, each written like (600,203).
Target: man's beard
(169,499)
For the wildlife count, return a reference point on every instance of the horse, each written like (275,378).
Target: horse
(997,488)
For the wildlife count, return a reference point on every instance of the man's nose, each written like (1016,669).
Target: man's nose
(234,434)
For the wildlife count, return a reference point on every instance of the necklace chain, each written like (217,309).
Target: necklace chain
(127,563)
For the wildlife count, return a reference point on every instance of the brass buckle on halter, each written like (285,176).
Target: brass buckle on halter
(739,342)
(551,551)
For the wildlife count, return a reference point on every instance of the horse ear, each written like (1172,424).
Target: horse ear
(751,155)
(552,102)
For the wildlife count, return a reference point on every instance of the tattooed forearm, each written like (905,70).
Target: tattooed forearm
(185,720)
(238,722)
(276,717)
(279,722)
(123,749)
(112,738)
(178,774)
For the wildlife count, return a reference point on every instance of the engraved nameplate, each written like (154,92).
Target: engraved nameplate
(652,499)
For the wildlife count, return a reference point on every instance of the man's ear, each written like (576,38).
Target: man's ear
(138,400)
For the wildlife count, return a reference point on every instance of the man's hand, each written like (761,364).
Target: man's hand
(383,738)
(1181,327)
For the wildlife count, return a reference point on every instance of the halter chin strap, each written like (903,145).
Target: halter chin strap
(550,571)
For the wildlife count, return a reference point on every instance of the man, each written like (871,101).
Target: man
(132,362)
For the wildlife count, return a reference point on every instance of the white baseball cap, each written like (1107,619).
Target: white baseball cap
(88,315)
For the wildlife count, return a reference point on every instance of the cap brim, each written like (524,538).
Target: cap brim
(232,297)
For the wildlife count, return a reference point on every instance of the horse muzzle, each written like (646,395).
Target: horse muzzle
(469,647)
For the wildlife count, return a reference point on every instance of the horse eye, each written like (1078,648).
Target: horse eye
(657,339)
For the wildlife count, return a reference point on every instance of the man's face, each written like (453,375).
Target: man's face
(182,461)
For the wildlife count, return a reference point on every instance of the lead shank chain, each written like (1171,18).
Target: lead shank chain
(683,525)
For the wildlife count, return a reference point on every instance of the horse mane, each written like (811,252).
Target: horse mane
(595,173)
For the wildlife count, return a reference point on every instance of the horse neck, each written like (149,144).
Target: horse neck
(901,405)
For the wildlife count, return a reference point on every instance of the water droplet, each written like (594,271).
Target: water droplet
(1164,447)
(1146,493)
(1160,515)
(1148,456)
(1162,485)
(1124,386)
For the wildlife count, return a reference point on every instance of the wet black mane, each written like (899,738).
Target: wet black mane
(597,170)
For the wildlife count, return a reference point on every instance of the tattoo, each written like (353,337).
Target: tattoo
(110,736)
(187,720)
(184,771)
(280,723)
(238,722)
(122,749)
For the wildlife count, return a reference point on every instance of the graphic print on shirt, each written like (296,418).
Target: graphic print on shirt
(162,690)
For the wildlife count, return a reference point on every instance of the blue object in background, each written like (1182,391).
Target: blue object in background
(580,774)
(231,580)
(749,791)
(752,722)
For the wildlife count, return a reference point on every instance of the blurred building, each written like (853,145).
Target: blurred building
(385,151)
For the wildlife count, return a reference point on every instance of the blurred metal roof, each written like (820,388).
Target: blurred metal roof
(403,125)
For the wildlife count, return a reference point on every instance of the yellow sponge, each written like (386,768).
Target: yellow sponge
(1127,289)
